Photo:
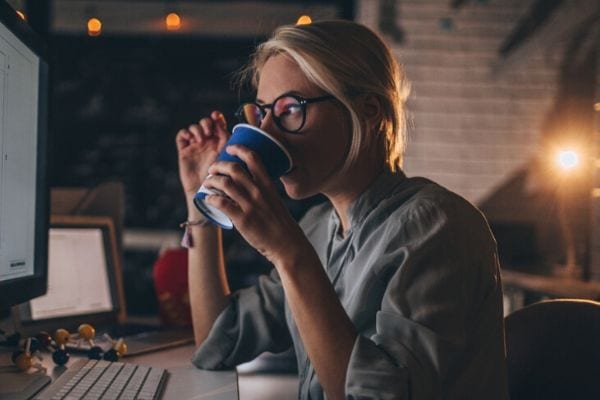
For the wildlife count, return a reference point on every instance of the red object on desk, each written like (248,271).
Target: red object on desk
(171,285)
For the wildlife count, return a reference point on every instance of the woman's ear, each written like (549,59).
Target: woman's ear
(372,112)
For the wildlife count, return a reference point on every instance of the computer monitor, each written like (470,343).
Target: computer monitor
(84,278)
(23,139)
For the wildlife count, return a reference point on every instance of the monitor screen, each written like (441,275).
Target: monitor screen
(79,281)
(23,189)
(84,277)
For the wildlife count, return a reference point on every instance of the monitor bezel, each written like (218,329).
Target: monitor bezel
(19,290)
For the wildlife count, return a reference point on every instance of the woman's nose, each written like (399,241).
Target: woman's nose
(268,125)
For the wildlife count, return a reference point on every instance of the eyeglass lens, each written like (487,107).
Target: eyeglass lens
(288,113)
(251,114)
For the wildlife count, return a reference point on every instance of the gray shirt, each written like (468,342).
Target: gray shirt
(417,274)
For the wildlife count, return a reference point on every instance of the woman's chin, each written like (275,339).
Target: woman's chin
(297,186)
(292,188)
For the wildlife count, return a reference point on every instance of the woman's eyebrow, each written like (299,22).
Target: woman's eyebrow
(289,92)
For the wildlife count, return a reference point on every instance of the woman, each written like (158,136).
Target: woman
(389,290)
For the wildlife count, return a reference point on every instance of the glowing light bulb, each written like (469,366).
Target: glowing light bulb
(21,14)
(304,20)
(94,26)
(567,159)
(173,22)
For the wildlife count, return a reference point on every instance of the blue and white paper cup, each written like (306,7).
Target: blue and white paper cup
(272,153)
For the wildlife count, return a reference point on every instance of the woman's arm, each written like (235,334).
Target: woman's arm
(258,213)
(208,288)
(197,148)
(327,333)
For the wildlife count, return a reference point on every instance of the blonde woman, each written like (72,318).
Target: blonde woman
(389,290)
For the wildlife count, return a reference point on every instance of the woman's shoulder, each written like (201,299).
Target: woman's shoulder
(408,202)
(424,204)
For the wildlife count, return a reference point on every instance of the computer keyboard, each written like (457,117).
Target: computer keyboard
(96,380)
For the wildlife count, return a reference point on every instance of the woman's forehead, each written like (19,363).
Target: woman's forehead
(280,74)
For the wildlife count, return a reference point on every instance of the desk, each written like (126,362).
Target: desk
(185,381)
(250,385)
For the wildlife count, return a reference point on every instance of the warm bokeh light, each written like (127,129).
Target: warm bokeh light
(21,14)
(173,22)
(304,20)
(597,106)
(94,26)
(567,159)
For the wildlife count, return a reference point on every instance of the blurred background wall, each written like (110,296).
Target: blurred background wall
(499,87)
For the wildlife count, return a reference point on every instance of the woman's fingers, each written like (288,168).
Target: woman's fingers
(229,187)
(214,126)
(219,119)
(197,147)
(231,174)
(253,177)
(209,126)
(206,127)
(220,128)
(195,132)
(253,162)
(236,171)
(183,139)
(226,205)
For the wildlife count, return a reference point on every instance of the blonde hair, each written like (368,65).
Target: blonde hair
(345,59)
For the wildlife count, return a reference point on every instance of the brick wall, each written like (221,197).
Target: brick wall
(473,128)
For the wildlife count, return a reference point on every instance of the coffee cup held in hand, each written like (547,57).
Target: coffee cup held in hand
(274,156)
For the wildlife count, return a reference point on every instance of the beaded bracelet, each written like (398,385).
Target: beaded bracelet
(187,241)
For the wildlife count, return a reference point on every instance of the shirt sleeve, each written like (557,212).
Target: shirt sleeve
(253,322)
(443,286)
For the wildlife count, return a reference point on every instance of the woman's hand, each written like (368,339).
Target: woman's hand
(254,205)
(198,147)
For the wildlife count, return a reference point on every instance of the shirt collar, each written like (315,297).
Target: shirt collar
(383,186)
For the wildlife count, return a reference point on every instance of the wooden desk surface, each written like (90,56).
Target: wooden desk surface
(185,381)
(248,386)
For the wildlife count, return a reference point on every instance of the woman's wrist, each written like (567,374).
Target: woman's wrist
(194,217)
(193,212)
(187,240)
(296,266)
(293,257)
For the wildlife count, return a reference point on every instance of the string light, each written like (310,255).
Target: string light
(94,26)
(21,14)
(304,20)
(173,21)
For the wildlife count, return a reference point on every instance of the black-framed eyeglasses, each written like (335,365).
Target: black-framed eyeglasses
(288,111)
